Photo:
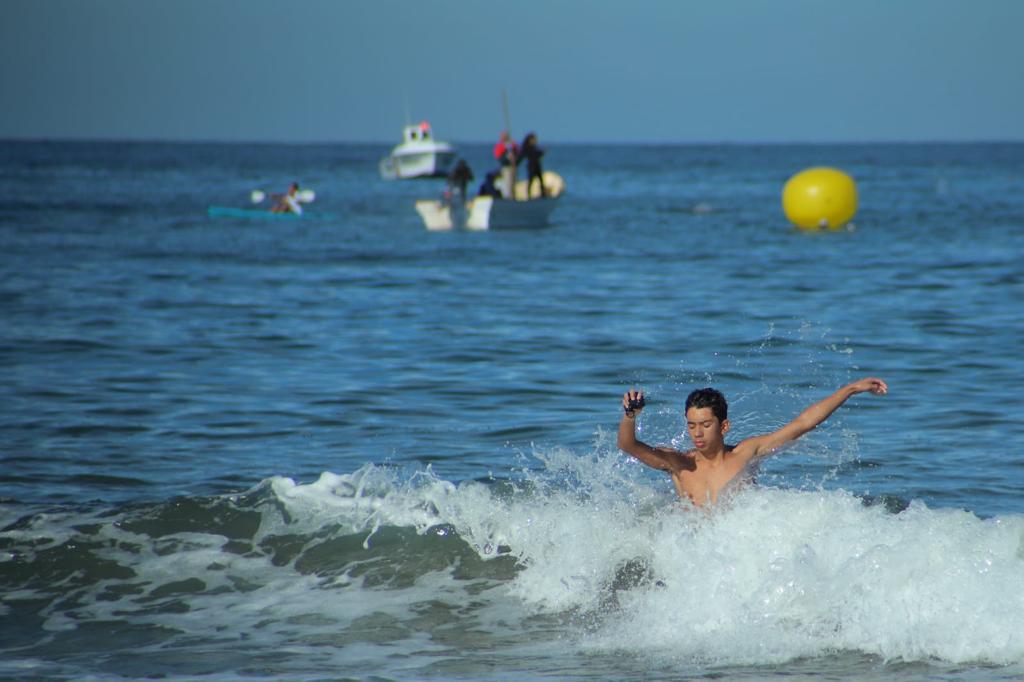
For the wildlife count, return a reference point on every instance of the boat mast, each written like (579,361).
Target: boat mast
(504,107)
(508,128)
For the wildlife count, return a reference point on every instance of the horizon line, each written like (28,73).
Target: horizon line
(548,141)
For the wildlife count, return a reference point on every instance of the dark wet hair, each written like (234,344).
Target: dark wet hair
(709,397)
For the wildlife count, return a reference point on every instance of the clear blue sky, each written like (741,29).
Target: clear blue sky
(575,71)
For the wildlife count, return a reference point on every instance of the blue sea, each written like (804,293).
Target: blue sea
(344,447)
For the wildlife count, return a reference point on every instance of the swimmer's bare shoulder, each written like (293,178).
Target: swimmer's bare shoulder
(704,471)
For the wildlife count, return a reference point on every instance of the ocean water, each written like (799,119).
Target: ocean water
(344,447)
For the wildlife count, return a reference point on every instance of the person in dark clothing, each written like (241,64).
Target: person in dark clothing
(532,153)
(460,176)
(488,188)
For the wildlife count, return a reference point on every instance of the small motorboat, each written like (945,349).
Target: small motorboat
(491,213)
(419,155)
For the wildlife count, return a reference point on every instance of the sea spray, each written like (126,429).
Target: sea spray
(578,553)
(776,575)
(770,575)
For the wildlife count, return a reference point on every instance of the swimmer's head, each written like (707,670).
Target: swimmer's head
(709,397)
(706,420)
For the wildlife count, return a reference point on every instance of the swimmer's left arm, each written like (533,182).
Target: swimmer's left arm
(808,420)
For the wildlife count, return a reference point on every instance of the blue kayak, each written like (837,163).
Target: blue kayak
(260,213)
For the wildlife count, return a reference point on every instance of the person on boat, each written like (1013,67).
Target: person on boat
(489,187)
(287,202)
(700,474)
(532,153)
(506,153)
(460,176)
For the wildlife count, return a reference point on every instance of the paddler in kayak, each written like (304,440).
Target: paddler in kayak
(288,202)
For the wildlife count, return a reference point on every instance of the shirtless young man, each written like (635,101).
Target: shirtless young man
(701,473)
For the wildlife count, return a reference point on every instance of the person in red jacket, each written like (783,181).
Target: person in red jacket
(506,153)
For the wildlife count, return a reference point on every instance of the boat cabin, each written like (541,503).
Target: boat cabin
(417,133)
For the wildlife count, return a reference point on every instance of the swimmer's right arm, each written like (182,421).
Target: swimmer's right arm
(811,417)
(627,440)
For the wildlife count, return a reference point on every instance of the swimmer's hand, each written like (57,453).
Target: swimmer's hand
(632,403)
(868,385)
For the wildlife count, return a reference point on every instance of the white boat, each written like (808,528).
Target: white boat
(419,155)
(491,213)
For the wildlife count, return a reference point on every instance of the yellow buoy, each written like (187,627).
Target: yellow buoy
(820,198)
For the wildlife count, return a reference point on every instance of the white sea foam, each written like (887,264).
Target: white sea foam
(783,574)
(608,563)
(769,576)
